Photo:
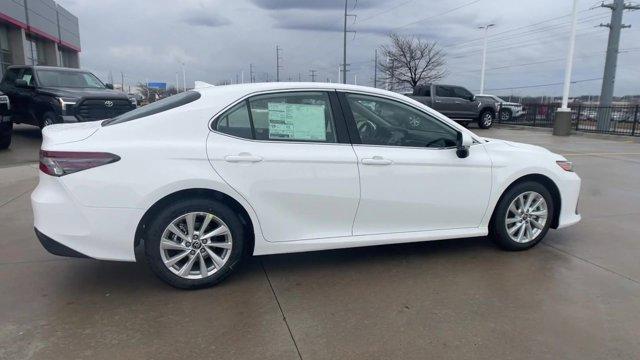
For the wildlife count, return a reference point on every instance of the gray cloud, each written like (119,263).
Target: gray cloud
(312,4)
(207,20)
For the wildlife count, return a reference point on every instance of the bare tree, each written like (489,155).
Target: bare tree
(409,61)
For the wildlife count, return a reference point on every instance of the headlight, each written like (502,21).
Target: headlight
(565,165)
(67,102)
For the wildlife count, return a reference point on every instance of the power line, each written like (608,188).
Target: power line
(385,11)
(542,85)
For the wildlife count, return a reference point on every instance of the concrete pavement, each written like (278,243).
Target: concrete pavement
(576,296)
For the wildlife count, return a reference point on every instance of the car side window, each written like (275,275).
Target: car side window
(445,91)
(236,122)
(462,93)
(27,75)
(10,76)
(382,121)
(293,116)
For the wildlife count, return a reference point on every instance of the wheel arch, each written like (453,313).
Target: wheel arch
(547,183)
(487,108)
(196,193)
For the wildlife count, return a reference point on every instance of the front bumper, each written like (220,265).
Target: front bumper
(569,188)
(96,232)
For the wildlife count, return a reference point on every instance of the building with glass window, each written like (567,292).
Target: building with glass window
(38,32)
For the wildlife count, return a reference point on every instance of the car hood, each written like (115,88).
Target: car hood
(517,145)
(83,93)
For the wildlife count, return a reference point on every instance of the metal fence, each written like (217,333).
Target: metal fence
(617,120)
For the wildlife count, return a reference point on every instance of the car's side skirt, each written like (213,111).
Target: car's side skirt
(268,248)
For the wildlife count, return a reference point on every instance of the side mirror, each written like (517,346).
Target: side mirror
(109,86)
(21,83)
(472,98)
(464,143)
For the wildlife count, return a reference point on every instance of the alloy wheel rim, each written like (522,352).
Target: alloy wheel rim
(505,115)
(526,217)
(487,119)
(196,245)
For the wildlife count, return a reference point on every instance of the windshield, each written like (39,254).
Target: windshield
(72,79)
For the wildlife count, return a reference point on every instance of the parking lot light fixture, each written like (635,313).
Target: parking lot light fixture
(484,55)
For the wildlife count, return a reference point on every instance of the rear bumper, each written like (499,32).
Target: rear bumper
(71,228)
(55,247)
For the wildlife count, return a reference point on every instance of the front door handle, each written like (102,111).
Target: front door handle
(242,157)
(376,160)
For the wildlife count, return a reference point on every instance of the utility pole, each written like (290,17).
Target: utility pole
(344,43)
(299,77)
(122,80)
(609,78)
(562,123)
(375,69)
(278,67)
(251,73)
(484,55)
(242,76)
(177,83)
(313,75)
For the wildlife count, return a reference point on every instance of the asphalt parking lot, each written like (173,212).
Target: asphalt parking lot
(576,296)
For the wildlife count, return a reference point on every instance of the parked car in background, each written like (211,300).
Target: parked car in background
(457,103)
(201,178)
(508,110)
(6,125)
(42,95)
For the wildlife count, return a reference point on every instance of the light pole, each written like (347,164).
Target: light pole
(562,123)
(484,55)
(184,78)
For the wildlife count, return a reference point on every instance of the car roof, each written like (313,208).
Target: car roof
(286,86)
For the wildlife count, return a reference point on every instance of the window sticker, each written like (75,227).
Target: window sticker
(296,121)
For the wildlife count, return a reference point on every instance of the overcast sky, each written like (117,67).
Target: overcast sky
(218,39)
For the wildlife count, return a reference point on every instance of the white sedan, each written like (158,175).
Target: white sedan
(206,176)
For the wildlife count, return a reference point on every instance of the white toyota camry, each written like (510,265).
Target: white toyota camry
(206,176)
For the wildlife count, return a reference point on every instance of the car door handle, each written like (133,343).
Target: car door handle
(376,160)
(242,157)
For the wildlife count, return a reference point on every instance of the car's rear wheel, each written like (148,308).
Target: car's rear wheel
(6,132)
(486,119)
(523,216)
(194,243)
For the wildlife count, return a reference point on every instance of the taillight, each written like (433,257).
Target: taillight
(59,163)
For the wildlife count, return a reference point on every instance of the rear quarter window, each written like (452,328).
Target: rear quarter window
(159,106)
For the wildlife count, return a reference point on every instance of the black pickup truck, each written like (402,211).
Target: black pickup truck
(43,95)
(457,103)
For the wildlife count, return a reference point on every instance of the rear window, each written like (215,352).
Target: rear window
(154,108)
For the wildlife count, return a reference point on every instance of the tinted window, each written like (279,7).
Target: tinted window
(303,116)
(386,122)
(462,93)
(27,75)
(445,91)
(422,90)
(10,76)
(72,79)
(154,108)
(236,122)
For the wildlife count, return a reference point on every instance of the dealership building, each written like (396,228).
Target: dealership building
(38,32)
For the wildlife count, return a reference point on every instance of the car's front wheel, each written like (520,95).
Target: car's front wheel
(523,216)
(194,243)
(506,115)
(486,119)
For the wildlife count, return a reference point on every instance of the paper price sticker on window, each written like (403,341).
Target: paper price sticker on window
(297,122)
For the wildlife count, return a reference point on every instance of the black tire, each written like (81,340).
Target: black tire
(485,120)
(167,215)
(506,115)
(498,227)
(48,118)
(6,132)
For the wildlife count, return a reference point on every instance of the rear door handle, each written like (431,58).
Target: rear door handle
(376,160)
(242,157)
